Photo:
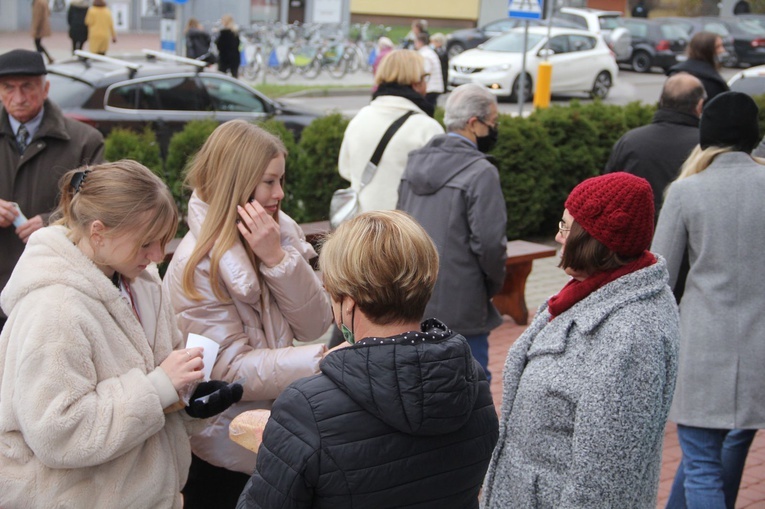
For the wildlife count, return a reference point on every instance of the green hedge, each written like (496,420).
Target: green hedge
(540,158)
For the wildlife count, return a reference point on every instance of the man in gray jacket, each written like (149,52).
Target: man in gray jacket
(453,190)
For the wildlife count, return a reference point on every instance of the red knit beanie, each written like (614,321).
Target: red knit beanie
(616,209)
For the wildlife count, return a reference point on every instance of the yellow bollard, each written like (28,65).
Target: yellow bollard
(542,91)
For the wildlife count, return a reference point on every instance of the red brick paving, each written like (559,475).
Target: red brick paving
(752,492)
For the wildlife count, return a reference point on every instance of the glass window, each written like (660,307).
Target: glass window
(750,27)
(511,42)
(673,32)
(229,96)
(181,94)
(717,28)
(637,29)
(500,26)
(609,22)
(559,44)
(581,42)
(577,20)
(264,10)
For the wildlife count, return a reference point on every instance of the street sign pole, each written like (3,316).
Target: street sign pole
(526,10)
(522,77)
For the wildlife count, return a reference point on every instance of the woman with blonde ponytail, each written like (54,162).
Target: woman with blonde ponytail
(241,277)
(91,359)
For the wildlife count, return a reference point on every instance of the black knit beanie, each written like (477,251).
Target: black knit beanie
(730,120)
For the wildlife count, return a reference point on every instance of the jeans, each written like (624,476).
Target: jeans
(709,474)
(479,346)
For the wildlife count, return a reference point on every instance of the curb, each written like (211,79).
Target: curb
(330,92)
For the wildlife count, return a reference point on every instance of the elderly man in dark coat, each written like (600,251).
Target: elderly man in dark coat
(656,151)
(38,144)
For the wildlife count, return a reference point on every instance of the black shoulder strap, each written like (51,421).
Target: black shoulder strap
(388,135)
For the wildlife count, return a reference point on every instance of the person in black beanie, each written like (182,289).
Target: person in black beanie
(712,215)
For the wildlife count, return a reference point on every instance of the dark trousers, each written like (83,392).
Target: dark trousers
(211,487)
(432,98)
(41,49)
(77,45)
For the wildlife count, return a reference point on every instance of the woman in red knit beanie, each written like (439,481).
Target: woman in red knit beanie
(587,387)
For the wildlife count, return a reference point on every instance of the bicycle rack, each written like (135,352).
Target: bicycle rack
(87,55)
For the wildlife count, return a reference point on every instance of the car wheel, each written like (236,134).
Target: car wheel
(527,91)
(601,86)
(641,61)
(455,49)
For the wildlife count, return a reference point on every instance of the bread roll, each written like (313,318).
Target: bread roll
(247,428)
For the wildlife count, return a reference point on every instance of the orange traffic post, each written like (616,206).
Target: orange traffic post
(542,91)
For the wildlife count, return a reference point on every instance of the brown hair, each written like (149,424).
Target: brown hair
(702,47)
(224,174)
(584,253)
(124,195)
(385,262)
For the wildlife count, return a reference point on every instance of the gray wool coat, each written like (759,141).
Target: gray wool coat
(585,401)
(717,216)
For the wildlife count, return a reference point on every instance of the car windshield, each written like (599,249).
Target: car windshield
(750,27)
(511,43)
(717,28)
(673,32)
(609,22)
(68,93)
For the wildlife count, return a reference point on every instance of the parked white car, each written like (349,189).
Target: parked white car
(581,62)
(609,24)
(749,81)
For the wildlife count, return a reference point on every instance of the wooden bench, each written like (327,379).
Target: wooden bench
(511,300)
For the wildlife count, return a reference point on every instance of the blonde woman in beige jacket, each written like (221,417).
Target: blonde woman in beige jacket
(241,277)
(91,358)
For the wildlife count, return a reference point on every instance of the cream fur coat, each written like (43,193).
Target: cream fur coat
(81,394)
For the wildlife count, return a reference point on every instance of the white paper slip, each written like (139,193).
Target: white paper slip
(209,354)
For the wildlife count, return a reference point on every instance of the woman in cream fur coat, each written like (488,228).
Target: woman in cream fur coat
(89,394)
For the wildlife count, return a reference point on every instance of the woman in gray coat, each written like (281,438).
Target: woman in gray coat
(588,385)
(713,213)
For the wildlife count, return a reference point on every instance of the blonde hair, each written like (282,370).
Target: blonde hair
(228,22)
(439,38)
(402,66)
(700,159)
(125,196)
(224,174)
(385,262)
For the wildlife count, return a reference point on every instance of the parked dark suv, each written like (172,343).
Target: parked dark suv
(162,91)
(655,43)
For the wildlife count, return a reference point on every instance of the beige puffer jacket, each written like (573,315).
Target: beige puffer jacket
(269,308)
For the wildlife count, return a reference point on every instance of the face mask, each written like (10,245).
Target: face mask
(347,333)
(486,143)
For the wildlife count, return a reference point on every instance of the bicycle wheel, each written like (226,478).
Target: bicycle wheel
(313,68)
(339,67)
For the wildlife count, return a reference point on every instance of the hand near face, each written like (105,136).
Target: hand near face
(29,227)
(7,214)
(261,232)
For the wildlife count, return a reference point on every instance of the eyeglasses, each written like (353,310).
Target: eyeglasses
(495,126)
(425,77)
(563,229)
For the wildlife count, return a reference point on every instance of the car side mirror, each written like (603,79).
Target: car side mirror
(546,53)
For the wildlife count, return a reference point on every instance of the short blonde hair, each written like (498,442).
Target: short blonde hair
(125,196)
(439,38)
(385,262)
(224,174)
(402,66)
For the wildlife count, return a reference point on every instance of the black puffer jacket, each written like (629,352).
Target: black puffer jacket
(394,422)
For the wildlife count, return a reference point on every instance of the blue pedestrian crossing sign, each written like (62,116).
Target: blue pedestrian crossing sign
(526,9)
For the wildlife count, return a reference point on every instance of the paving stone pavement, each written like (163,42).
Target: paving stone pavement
(545,280)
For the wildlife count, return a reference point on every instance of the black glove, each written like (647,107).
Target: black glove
(221,396)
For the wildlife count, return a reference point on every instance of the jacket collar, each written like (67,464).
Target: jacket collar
(589,313)
(53,124)
(675,117)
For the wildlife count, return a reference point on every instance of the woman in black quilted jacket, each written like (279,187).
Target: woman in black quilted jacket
(401,417)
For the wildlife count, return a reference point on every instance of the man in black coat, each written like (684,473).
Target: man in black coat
(657,151)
